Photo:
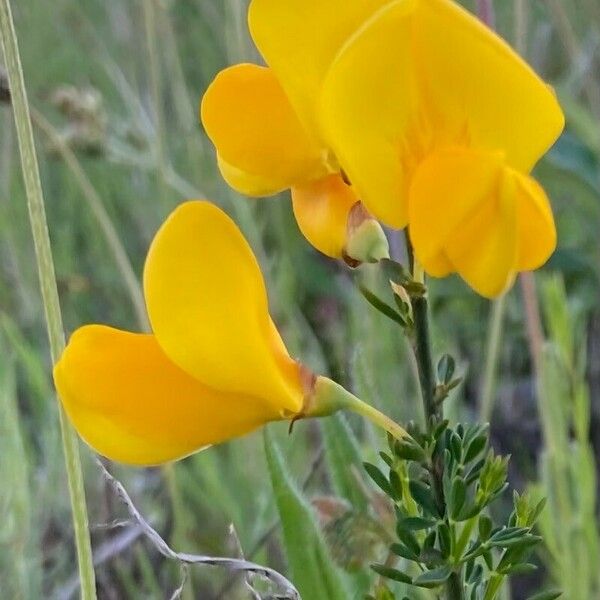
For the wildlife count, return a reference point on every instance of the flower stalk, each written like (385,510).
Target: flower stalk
(327,397)
(433,410)
(48,287)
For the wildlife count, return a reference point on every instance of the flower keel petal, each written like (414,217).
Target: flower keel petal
(132,404)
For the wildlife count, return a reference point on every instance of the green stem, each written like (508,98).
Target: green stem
(41,238)
(491,358)
(422,349)
(454,588)
(328,397)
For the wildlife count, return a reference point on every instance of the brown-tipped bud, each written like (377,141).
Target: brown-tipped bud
(366,240)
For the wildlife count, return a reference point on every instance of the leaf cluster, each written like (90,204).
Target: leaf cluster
(442,483)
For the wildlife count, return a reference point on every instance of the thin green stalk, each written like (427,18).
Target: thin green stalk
(41,238)
(150,30)
(454,588)
(492,356)
(422,348)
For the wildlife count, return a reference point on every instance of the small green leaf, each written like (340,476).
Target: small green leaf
(433,578)
(457,498)
(409,451)
(391,573)
(546,595)
(445,539)
(404,552)
(468,511)
(382,306)
(379,478)
(424,497)
(445,368)
(416,523)
(476,447)
(430,540)
(485,527)
(387,459)
(409,540)
(456,447)
(520,569)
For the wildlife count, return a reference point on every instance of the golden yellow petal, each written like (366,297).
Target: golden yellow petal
(368,102)
(254,186)
(321,209)
(130,403)
(300,38)
(420,76)
(249,119)
(463,204)
(447,188)
(208,308)
(537,231)
(472,80)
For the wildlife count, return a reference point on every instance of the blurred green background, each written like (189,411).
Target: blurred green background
(115,87)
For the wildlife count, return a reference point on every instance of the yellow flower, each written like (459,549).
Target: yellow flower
(433,118)
(264,147)
(438,123)
(215,366)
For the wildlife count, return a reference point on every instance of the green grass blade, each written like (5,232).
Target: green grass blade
(311,567)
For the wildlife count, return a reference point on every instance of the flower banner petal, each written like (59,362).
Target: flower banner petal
(478,83)
(249,119)
(300,38)
(208,308)
(131,404)
(369,101)
(321,209)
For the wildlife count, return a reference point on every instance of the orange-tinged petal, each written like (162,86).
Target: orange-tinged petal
(300,38)
(261,143)
(132,404)
(476,81)
(537,231)
(208,308)
(463,204)
(369,100)
(321,209)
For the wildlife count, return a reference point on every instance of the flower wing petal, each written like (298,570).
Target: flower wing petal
(321,209)
(132,404)
(300,38)
(208,308)
(368,102)
(476,81)
(260,141)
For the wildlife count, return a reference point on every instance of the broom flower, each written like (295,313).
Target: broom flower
(413,107)
(438,124)
(215,366)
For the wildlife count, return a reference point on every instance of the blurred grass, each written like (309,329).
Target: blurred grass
(119,82)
